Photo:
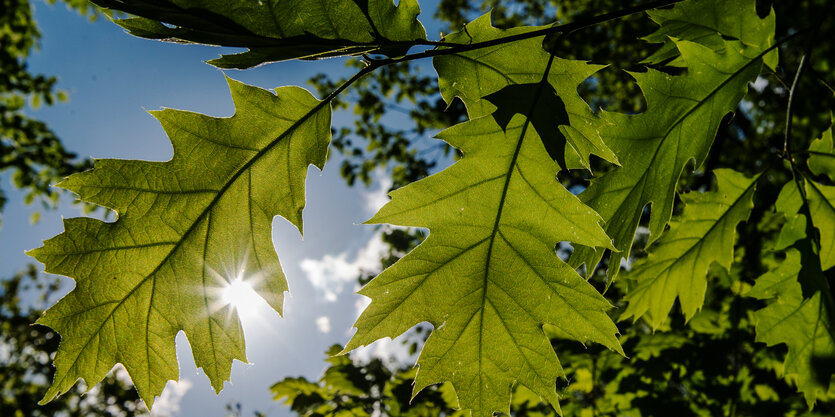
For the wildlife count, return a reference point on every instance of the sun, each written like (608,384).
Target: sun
(240,295)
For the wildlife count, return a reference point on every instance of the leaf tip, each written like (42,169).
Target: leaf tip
(351,345)
(342,352)
(233,83)
(298,221)
(50,395)
(377,218)
(33,253)
(217,386)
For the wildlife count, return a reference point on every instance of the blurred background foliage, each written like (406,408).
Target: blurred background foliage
(26,353)
(29,149)
(36,158)
(709,366)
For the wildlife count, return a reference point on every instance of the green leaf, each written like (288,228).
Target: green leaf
(703,22)
(480,78)
(275,30)
(682,117)
(678,264)
(487,277)
(654,344)
(292,388)
(821,200)
(185,228)
(822,154)
(803,324)
(789,201)
(793,230)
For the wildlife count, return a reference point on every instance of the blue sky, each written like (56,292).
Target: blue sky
(112,78)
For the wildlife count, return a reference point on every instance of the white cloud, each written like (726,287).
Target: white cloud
(324,324)
(330,273)
(376,199)
(359,306)
(386,349)
(168,403)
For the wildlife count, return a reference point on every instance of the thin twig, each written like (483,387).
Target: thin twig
(367,69)
(822,80)
(778,78)
(787,152)
(564,28)
(788,131)
(454,48)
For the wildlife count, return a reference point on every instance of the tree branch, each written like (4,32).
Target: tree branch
(454,48)
(564,28)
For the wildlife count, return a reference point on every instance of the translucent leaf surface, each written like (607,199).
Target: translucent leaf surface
(822,207)
(487,277)
(804,324)
(703,21)
(822,154)
(185,229)
(678,263)
(682,117)
(679,125)
(478,76)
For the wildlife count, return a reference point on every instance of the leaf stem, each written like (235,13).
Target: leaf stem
(788,131)
(777,77)
(787,152)
(819,77)
(365,70)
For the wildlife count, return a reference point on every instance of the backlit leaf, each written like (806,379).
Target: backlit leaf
(822,207)
(277,30)
(678,263)
(703,21)
(481,78)
(822,154)
(804,324)
(487,277)
(185,228)
(682,117)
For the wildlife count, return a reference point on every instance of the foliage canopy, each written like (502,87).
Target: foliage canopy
(29,149)
(489,278)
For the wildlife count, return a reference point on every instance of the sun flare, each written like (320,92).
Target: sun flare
(240,295)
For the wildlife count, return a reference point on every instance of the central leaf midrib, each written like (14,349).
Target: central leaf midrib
(198,219)
(502,199)
(821,194)
(819,153)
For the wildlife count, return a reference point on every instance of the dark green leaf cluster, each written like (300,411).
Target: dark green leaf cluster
(276,31)
(28,147)
(688,171)
(361,389)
